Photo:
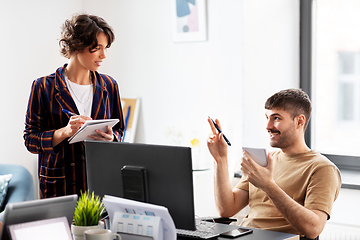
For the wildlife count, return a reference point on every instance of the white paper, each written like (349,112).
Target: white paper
(258,155)
(117,204)
(142,225)
(89,128)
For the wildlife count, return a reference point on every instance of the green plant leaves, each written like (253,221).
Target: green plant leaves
(88,210)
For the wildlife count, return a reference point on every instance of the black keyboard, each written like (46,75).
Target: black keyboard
(196,234)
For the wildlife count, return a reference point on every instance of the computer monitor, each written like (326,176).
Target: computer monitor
(164,174)
(23,212)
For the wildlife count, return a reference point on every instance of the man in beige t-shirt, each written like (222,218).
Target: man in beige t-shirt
(294,193)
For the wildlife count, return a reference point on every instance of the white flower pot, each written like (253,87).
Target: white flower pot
(78,231)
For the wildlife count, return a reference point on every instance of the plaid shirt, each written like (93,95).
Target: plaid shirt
(62,168)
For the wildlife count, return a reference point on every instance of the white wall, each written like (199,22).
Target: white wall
(270,60)
(251,52)
(179,84)
(29,49)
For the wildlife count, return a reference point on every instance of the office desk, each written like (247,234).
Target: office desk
(257,234)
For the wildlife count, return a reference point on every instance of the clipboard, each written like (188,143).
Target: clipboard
(89,128)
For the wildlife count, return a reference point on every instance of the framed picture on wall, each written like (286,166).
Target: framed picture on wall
(188,20)
(130,108)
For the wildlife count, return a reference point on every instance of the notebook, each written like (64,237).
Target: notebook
(89,128)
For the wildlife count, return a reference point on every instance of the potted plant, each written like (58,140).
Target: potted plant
(87,215)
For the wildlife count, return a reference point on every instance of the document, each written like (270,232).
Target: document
(122,205)
(89,128)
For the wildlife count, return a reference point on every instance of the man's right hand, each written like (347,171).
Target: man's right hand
(216,143)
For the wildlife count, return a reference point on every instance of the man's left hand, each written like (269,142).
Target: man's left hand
(259,176)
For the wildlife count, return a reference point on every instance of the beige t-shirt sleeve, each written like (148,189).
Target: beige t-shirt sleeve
(243,184)
(323,189)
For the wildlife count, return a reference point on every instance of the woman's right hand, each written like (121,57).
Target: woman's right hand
(74,124)
(216,143)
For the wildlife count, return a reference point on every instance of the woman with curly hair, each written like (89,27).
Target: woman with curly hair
(80,89)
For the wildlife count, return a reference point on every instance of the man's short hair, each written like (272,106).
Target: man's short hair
(294,101)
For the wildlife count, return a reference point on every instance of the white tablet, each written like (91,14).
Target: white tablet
(259,155)
(54,229)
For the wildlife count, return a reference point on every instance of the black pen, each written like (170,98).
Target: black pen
(217,127)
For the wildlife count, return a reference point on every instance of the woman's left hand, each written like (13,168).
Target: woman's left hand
(104,136)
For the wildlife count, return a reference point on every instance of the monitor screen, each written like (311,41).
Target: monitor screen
(156,174)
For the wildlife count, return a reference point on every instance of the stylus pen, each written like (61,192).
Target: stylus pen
(68,112)
(217,127)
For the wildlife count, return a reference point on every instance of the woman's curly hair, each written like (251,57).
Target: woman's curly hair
(81,32)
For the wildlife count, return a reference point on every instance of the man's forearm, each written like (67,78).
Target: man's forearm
(302,219)
(227,201)
(222,189)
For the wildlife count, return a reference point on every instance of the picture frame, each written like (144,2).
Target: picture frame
(130,108)
(189,20)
